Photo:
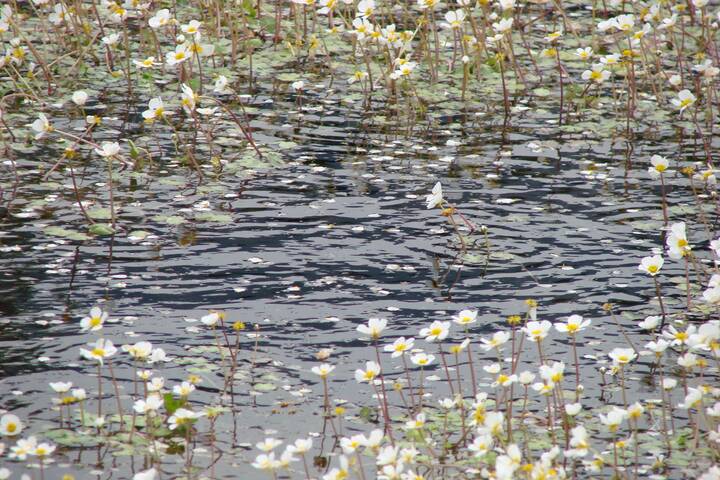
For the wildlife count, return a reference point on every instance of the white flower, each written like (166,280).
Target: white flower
(614,418)
(155,110)
(79,98)
(536,331)
(400,346)
(268,444)
(323,370)
(504,25)
(266,462)
(659,164)
(41,126)
(597,73)
(422,359)
(465,317)
(221,85)
(436,197)
(374,328)
(188,99)
(573,409)
(161,18)
(498,339)
(94,321)
(184,389)
(151,404)
(301,445)
(61,387)
(210,319)
(108,149)
(298,86)
(183,416)
(651,265)
(139,351)
(437,331)
(622,356)
(371,371)
(10,425)
(574,324)
(192,27)
(181,53)
(684,100)
(100,350)
(481,445)
(146,475)
(650,323)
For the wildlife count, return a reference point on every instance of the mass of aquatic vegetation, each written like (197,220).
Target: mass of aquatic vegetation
(136,88)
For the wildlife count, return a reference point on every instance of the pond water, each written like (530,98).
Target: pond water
(327,230)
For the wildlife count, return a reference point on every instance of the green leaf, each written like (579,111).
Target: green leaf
(101,229)
(172,403)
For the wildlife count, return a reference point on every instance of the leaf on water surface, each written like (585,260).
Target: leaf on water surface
(99,213)
(65,233)
(137,235)
(101,229)
(73,438)
(264,387)
(213,217)
(171,220)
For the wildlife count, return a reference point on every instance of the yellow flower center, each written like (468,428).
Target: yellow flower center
(11,427)
(95,321)
(98,352)
(653,269)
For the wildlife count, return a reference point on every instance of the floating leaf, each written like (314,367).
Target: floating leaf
(101,229)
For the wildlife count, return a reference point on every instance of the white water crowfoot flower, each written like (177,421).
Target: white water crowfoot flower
(436,332)
(182,417)
(188,99)
(677,241)
(436,197)
(79,98)
(659,166)
(622,356)
(400,346)
(94,321)
(684,99)
(23,448)
(574,324)
(268,445)
(651,265)
(61,387)
(323,370)
(371,371)
(465,317)
(151,404)
(597,74)
(537,331)
(374,328)
(41,126)
(155,110)
(108,149)
(100,350)
(150,474)
(422,359)
(10,425)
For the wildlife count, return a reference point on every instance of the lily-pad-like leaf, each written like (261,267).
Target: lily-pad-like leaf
(101,229)
(73,438)
(99,213)
(213,217)
(65,233)
(264,387)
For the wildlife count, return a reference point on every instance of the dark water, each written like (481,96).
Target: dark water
(336,234)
